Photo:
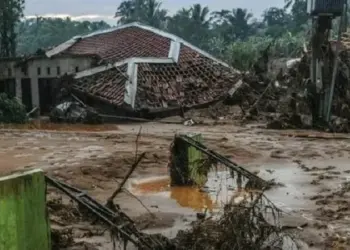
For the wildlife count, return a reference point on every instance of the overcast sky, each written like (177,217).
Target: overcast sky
(105,9)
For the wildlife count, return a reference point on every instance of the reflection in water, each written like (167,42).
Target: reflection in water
(219,190)
(153,186)
(190,197)
(45,125)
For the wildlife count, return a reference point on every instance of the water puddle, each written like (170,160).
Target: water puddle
(219,190)
(46,125)
(190,197)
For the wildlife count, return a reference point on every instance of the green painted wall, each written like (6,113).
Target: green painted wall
(195,162)
(24,223)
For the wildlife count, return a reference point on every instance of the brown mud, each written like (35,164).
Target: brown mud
(313,173)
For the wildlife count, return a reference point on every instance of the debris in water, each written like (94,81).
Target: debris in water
(122,227)
(186,196)
(241,227)
(187,171)
(74,112)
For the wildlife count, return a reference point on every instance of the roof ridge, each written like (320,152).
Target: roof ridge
(66,45)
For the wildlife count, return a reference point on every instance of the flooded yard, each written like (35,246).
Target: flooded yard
(312,173)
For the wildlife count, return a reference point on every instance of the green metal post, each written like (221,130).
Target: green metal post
(195,161)
(186,162)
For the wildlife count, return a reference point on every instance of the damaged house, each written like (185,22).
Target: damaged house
(133,69)
(32,79)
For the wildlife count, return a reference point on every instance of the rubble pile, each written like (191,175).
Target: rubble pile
(145,72)
(74,112)
(165,80)
(281,103)
(243,226)
(282,100)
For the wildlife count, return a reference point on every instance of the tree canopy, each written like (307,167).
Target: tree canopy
(234,35)
(36,33)
(10,13)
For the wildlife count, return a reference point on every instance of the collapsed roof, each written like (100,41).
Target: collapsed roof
(148,68)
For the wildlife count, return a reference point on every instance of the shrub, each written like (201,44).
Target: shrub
(11,111)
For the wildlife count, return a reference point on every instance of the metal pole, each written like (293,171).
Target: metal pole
(335,69)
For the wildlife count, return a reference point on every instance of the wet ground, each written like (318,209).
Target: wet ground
(311,167)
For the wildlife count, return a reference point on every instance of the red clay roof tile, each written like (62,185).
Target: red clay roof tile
(195,79)
(108,85)
(122,44)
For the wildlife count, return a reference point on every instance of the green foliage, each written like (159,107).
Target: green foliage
(242,54)
(40,32)
(199,171)
(191,24)
(232,35)
(234,24)
(10,13)
(146,11)
(11,111)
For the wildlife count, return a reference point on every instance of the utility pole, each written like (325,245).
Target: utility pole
(322,13)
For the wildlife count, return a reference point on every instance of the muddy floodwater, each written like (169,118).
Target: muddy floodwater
(311,169)
(213,195)
(190,197)
(46,125)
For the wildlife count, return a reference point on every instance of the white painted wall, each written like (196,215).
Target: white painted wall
(66,65)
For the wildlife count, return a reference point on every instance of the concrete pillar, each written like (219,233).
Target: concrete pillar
(19,89)
(131,84)
(195,162)
(23,216)
(35,92)
(186,163)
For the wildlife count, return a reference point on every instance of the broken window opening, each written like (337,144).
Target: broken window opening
(48,70)
(39,71)
(24,70)
(76,69)
(58,70)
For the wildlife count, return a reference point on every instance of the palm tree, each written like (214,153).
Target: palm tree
(155,16)
(234,24)
(191,24)
(145,11)
(179,24)
(299,14)
(241,18)
(199,15)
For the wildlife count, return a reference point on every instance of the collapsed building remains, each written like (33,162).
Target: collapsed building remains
(282,96)
(145,69)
